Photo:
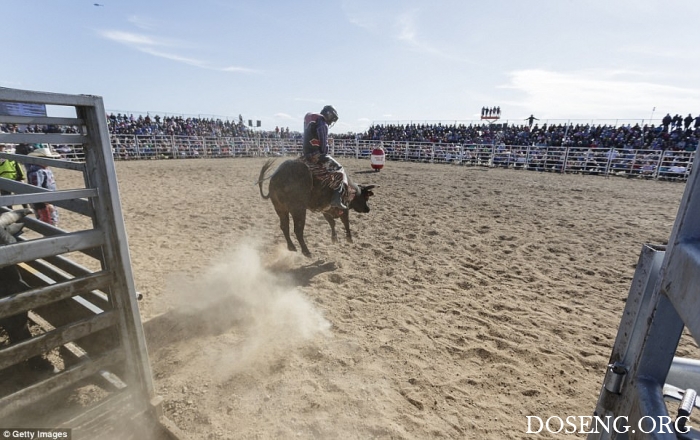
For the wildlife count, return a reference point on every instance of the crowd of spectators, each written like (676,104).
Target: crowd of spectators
(674,133)
(651,137)
(184,126)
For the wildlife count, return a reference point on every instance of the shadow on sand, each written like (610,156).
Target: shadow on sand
(301,276)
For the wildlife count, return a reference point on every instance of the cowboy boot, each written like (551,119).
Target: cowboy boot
(337,200)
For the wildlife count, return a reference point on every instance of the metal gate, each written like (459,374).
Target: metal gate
(82,303)
(643,373)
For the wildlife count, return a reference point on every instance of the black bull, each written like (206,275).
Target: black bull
(293,190)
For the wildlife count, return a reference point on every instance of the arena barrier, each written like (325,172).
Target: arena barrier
(644,376)
(652,164)
(82,302)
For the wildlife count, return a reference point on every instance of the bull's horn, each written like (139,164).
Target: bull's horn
(368,187)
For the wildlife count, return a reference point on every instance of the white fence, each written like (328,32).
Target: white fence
(656,164)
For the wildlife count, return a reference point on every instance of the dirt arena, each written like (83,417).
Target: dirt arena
(470,298)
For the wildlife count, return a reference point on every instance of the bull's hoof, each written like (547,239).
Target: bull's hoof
(348,239)
(306,253)
(334,239)
(291,247)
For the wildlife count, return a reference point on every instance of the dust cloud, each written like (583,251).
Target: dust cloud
(252,302)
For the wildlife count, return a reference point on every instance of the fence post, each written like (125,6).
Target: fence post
(137,145)
(527,158)
(691,159)
(658,165)
(634,162)
(154,146)
(566,159)
(607,166)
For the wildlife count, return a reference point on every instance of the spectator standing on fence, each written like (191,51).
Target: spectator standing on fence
(42,176)
(677,120)
(666,121)
(10,169)
(687,121)
(531,119)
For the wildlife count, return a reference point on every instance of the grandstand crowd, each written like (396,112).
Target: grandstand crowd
(681,136)
(673,133)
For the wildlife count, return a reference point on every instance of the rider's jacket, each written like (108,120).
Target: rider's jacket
(315,135)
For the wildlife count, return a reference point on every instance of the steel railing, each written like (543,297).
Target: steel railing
(654,164)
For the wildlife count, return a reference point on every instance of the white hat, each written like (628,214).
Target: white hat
(45,152)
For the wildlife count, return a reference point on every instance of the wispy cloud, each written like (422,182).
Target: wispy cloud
(360,14)
(402,25)
(285,116)
(134,40)
(173,57)
(238,69)
(596,93)
(164,48)
(145,23)
(407,30)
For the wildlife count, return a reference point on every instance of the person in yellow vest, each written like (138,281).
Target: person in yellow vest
(9,169)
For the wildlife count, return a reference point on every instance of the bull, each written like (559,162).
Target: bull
(293,190)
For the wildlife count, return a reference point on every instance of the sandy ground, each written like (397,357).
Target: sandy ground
(470,298)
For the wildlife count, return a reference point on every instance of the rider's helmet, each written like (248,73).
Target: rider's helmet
(329,114)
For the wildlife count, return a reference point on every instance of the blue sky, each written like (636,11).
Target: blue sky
(374,60)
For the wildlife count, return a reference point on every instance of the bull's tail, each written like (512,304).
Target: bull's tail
(262,178)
